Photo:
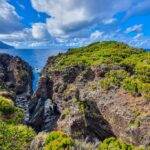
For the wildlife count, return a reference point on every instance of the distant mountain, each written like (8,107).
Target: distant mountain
(5,46)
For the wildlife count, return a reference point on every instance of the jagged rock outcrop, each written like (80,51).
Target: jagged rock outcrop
(89,112)
(15,74)
(90,86)
(43,111)
(16,80)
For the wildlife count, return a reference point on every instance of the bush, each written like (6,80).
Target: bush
(6,105)
(106,84)
(113,79)
(15,137)
(13,118)
(114,144)
(58,140)
(131,86)
(118,74)
(142,69)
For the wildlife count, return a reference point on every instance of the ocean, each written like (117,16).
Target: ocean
(35,57)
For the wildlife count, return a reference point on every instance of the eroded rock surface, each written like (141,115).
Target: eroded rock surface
(16,80)
(89,112)
(43,112)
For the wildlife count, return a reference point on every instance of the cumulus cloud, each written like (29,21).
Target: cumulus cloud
(96,35)
(22,35)
(9,19)
(39,31)
(70,16)
(134,28)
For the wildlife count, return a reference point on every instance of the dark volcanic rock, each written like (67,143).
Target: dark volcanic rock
(43,112)
(15,74)
(16,80)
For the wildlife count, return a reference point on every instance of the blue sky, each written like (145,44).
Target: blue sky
(73,23)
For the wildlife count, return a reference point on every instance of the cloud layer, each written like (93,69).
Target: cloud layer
(9,19)
(74,23)
(69,16)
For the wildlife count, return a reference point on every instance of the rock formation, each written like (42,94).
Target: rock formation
(83,108)
(16,77)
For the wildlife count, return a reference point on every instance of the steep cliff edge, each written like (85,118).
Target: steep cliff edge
(16,80)
(99,91)
(15,90)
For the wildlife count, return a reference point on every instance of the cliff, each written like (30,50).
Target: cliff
(95,97)
(94,93)
(15,90)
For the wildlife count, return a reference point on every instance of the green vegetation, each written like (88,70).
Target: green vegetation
(58,140)
(114,144)
(13,118)
(12,135)
(113,78)
(9,113)
(132,65)
(6,105)
(107,52)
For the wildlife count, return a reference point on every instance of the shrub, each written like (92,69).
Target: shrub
(131,86)
(13,118)
(119,74)
(6,105)
(14,137)
(114,144)
(58,140)
(106,84)
(142,69)
(113,79)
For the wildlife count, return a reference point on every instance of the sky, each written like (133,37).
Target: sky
(74,23)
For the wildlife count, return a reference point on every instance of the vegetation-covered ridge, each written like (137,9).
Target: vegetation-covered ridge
(122,64)
(107,52)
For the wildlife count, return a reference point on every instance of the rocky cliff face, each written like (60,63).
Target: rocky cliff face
(43,111)
(72,99)
(87,111)
(15,74)
(16,78)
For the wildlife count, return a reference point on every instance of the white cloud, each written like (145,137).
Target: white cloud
(69,16)
(39,31)
(139,35)
(22,35)
(96,35)
(134,28)
(9,19)
(110,21)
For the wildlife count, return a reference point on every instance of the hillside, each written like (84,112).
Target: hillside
(96,92)
(91,98)
(5,46)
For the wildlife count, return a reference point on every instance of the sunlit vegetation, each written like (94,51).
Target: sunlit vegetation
(58,140)
(133,65)
(114,144)
(12,135)
(9,113)
(15,137)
